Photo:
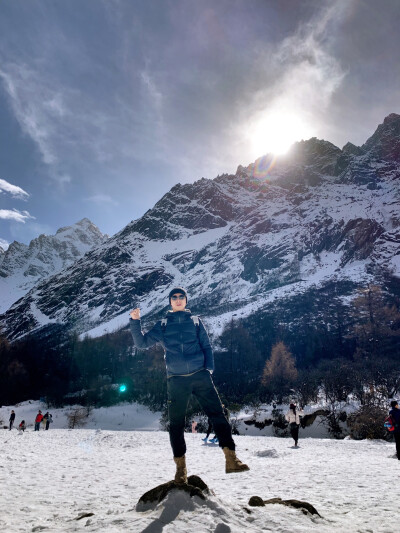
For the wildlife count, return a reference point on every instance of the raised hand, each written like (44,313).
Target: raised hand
(135,314)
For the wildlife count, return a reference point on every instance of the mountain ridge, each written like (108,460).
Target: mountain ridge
(273,230)
(23,266)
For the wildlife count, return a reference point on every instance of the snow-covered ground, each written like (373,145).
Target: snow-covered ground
(51,478)
(132,416)
(128,416)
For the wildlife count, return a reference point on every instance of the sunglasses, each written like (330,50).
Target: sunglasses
(178,297)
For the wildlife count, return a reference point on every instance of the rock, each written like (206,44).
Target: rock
(196,481)
(305,507)
(256,501)
(84,515)
(222,528)
(194,487)
(268,453)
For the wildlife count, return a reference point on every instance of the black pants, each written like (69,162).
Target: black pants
(294,431)
(397,439)
(202,387)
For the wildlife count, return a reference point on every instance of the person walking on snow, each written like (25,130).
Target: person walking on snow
(214,440)
(49,420)
(190,362)
(293,417)
(209,431)
(11,419)
(395,414)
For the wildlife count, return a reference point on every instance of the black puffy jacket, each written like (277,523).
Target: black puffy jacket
(187,346)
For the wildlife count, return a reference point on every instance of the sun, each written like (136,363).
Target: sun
(275,132)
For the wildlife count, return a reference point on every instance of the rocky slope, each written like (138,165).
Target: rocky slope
(22,266)
(241,244)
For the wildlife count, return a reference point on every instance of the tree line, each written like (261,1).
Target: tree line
(354,349)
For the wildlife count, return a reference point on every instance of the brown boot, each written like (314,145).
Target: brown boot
(233,464)
(181,472)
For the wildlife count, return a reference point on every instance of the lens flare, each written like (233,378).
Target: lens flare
(258,174)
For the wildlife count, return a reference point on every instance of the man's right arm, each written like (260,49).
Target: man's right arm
(145,340)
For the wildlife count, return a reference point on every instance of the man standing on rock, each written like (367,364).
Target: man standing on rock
(190,362)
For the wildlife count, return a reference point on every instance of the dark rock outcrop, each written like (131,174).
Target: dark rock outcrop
(194,487)
(305,507)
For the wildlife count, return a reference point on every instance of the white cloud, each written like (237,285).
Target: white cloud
(70,125)
(151,88)
(14,190)
(102,199)
(4,244)
(305,71)
(31,102)
(14,214)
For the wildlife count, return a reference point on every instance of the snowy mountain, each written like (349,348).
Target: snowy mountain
(319,218)
(22,266)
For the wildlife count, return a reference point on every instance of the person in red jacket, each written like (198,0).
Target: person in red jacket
(38,419)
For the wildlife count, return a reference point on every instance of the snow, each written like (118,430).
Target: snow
(51,478)
(122,416)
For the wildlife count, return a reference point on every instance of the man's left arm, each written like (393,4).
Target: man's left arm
(206,347)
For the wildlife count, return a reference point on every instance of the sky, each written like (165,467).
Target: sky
(107,104)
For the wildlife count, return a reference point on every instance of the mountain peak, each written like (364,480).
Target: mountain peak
(393,117)
(22,266)
(385,142)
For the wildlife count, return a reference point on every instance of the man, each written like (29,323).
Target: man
(190,362)
(12,418)
(395,414)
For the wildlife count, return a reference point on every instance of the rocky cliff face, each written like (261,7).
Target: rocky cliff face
(22,266)
(245,243)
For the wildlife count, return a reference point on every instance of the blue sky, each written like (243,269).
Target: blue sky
(106,104)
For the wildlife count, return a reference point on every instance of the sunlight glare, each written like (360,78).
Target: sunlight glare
(276,132)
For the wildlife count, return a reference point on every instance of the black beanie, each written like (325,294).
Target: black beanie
(177,290)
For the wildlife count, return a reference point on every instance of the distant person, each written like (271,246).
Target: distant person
(395,414)
(38,419)
(214,440)
(49,420)
(11,419)
(22,426)
(190,362)
(293,417)
(209,430)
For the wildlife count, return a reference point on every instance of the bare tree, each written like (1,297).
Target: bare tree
(280,370)
(77,417)
(376,322)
